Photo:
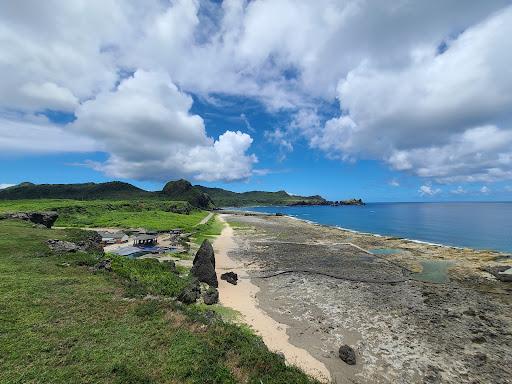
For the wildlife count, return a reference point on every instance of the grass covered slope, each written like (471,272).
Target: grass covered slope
(114,190)
(224,198)
(150,214)
(62,323)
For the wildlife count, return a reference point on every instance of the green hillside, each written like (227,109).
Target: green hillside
(224,198)
(183,190)
(179,190)
(114,190)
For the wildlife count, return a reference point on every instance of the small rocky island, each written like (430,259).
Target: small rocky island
(335,203)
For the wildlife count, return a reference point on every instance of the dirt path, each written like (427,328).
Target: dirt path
(242,298)
(206,219)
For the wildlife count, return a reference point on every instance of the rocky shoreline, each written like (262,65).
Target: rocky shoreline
(412,312)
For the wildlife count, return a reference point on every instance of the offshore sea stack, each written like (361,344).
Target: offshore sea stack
(204,265)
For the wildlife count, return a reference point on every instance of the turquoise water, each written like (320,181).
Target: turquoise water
(474,225)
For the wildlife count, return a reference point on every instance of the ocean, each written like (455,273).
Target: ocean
(480,225)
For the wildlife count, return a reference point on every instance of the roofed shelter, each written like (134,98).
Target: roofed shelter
(145,239)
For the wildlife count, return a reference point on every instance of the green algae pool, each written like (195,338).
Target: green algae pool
(434,271)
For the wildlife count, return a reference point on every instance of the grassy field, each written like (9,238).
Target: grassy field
(148,214)
(62,323)
(209,231)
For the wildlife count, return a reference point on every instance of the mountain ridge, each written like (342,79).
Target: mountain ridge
(197,195)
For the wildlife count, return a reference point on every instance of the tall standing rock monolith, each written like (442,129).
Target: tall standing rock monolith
(204,265)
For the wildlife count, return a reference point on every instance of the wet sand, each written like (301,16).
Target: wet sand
(242,298)
(324,292)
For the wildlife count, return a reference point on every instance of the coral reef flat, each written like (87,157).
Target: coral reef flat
(419,313)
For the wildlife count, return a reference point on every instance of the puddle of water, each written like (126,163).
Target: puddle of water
(385,251)
(434,271)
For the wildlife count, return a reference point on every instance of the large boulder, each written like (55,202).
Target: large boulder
(347,354)
(230,277)
(43,218)
(204,265)
(211,296)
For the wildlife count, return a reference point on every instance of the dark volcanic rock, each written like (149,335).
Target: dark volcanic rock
(211,296)
(347,354)
(204,265)
(230,277)
(190,294)
(43,218)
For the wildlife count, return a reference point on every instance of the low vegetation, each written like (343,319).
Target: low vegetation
(210,230)
(62,321)
(148,276)
(149,214)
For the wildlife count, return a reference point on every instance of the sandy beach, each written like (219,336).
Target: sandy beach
(242,298)
(419,313)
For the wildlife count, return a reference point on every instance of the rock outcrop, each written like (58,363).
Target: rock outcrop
(347,354)
(230,277)
(211,296)
(88,243)
(204,265)
(190,293)
(43,218)
(62,246)
(91,243)
(500,272)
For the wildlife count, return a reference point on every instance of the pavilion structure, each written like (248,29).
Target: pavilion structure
(145,240)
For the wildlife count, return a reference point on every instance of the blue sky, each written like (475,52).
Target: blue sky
(302,171)
(385,102)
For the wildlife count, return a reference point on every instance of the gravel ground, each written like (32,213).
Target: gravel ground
(403,330)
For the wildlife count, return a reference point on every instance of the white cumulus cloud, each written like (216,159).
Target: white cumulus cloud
(423,86)
(146,127)
(428,190)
